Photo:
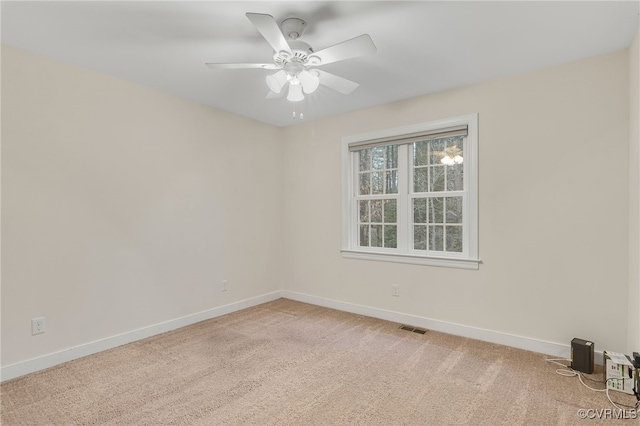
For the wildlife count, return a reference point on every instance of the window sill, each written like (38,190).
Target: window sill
(446,262)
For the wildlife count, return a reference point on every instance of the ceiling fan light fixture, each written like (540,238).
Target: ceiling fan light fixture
(293,58)
(295,92)
(277,81)
(309,80)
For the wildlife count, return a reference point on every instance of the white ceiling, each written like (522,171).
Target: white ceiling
(422,46)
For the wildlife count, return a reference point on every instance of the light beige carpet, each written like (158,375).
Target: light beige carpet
(290,363)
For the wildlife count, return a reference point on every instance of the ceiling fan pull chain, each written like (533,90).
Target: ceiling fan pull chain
(297,111)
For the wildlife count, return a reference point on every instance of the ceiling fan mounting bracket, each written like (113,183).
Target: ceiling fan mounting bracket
(293,27)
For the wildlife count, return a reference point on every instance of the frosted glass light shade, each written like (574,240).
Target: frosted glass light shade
(310,81)
(277,81)
(447,161)
(295,92)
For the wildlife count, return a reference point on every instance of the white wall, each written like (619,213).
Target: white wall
(553,196)
(634,196)
(124,207)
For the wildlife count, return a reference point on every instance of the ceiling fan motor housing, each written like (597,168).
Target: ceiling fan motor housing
(293,28)
(301,50)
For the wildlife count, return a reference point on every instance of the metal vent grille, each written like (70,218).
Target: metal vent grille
(418,330)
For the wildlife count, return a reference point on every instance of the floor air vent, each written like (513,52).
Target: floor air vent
(414,329)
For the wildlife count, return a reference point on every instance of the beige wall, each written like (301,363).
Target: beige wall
(634,195)
(125,207)
(553,196)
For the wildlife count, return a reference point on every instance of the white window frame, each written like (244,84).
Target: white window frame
(468,259)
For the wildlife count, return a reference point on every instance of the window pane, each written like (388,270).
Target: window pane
(377,183)
(363,208)
(376,211)
(454,209)
(454,238)
(437,178)
(390,211)
(435,209)
(365,159)
(455,177)
(455,149)
(436,151)
(419,237)
(392,157)
(420,179)
(390,236)
(392,182)
(376,235)
(365,183)
(420,210)
(418,189)
(378,157)
(420,153)
(364,235)
(436,236)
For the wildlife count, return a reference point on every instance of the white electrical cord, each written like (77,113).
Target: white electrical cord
(567,371)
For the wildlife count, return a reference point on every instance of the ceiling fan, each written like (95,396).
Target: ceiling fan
(296,61)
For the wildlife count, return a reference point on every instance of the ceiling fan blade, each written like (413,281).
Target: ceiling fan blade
(336,83)
(274,95)
(270,30)
(359,46)
(238,66)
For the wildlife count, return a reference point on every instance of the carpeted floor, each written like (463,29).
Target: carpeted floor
(290,363)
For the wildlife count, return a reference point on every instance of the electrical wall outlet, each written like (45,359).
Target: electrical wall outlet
(224,285)
(37,326)
(395,290)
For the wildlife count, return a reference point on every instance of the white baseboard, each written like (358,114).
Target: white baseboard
(555,350)
(45,361)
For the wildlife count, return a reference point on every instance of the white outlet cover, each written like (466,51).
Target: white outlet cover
(38,325)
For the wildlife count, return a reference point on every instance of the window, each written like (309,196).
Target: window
(410,194)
